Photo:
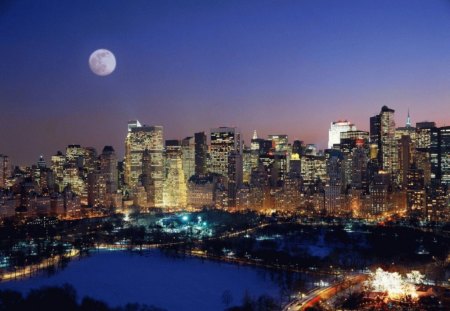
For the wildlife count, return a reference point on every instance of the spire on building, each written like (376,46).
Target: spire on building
(255,135)
(408,120)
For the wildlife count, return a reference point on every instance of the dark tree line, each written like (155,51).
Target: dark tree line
(57,299)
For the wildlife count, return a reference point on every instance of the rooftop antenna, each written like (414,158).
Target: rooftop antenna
(408,120)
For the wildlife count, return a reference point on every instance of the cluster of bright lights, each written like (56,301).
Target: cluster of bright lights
(395,285)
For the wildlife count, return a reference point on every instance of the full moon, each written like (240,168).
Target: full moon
(102,62)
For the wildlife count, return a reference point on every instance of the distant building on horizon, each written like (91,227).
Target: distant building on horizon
(336,128)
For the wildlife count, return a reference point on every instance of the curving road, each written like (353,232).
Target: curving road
(324,293)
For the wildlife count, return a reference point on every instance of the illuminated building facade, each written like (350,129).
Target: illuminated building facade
(313,167)
(279,142)
(140,138)
(415,193)
(58,161)
(224,140)
(388,144)
(188,156)
(444,155)
(336,128)
(5,170)
(201,191)
(175,191)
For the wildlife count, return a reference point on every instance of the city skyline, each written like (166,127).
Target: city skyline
(121,148)
(195,66)
(257,155)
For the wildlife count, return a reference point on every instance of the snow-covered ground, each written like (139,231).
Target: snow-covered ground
(155,279)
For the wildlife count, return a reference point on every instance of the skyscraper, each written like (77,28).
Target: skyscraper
(201,153)
(405,159)
(140,138)
(235,171)
(108,168)
(175,189)
(5,170)
(388,143)
(444,155)
(188,156)
(279,142)
(336,128)
(57,166)
(224,140)
(103,182)
(423,134)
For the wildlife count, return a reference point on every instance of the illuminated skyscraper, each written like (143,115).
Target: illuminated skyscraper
(74,154)
(313,167)
(336,128)
(188,156)
(224,140)
(254,144)
(250,162)
(444,155)
(57,166)
(5,170)
(279,142)
(415,193)
(383,133)
(423,135)
(140,138)
(175,189)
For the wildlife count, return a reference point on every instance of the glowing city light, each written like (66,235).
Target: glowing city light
(395,285)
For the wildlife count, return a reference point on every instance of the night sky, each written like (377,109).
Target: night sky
(280,67)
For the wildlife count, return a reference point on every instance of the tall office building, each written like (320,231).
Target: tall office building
(415,193)
(175,189)
(435,155)
(224,140)
(108,168)
(405,147)
(5,170)
(444,155)
(388,151)
(250,163)
(140,138)
(57,165)
(423,134)
(235,171)
(336,128)
(279,142)
(359,178)
(201,153)
(354,145)
(188,156)
(103,182)
(74,154)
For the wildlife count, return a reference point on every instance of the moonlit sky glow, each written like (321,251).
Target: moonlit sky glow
(280,67)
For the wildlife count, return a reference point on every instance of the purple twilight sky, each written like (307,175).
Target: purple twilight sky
(280,67)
